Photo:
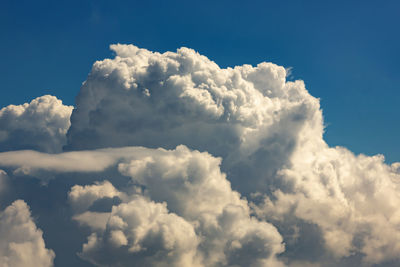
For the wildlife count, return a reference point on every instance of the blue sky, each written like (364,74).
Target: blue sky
(345,51)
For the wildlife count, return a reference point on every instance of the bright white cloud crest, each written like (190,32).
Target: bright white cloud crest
(40,125)
(194,165)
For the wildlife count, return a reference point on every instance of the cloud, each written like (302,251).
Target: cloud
(82,197)
(21,242)
(171,160)
(241,114)
(26,162)
(188,192)
(193,187)
(144,233)
(40,125)
(352,199)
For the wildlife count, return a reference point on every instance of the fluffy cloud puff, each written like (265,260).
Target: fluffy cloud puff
(249,116)
(143,233)
(21,242)
(40,125)
(352,199)
(193,187)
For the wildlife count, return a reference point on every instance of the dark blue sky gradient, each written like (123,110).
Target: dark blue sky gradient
(347,52)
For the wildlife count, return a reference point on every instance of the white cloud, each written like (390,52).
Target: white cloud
(40,124)
(82,197)
(143,232)
(267,131)
(196,193)
(97,221)
(21,242)
(352,199)
(28,161)
(175,205)
(164,100)
(193,187)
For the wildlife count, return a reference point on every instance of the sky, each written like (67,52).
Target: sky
(199,134)
(345,51)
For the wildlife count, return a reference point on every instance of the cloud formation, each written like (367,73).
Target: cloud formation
(172,161)
(155,100)
(144,233)
(21,242)
(352,199)
(178,209)
(40,125)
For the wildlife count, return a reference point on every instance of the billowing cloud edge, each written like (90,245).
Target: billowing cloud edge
(21,241)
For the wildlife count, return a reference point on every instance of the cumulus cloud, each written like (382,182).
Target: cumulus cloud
(143,233)
(249,116)
(193,187)
(352,199)
(40,125)
(202,166)
(187,191)
(21,242)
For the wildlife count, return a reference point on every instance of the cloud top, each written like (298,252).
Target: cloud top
(40,125)
(163,100)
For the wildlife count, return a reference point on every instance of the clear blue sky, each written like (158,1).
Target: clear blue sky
(347,52)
